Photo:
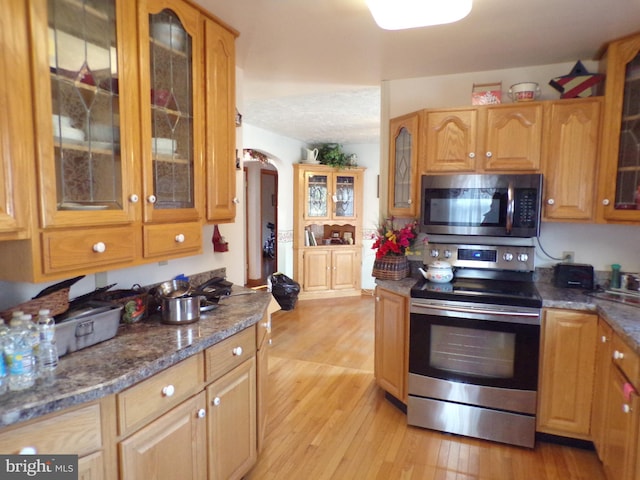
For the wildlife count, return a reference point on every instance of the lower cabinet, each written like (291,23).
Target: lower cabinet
(391,342)
(170,447)
(330,270)
(567,367)
(603,366)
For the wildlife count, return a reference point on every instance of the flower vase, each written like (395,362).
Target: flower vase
(391,267)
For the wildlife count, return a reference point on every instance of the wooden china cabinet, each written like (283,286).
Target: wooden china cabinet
(619,176)
(327,240)
(120,109)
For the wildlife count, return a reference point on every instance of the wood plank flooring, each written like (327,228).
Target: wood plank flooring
(328,419)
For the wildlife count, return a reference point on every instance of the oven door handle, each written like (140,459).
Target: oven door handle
(510,208)
(449,308)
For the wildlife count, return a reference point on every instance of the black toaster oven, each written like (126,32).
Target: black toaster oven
(573,275)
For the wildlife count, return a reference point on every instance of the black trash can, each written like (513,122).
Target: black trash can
(285,290)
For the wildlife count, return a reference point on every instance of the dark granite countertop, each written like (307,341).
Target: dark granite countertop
(137,352)
(624,319)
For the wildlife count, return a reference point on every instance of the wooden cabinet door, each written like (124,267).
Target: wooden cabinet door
(317,269)
(620,444)
(567,373)
(620,152)
(232,423)
(172,446)
(404,177)
(220,136)
(449,140)
(345,269)
(172,110)
(601,385)
(512,138)
(571,153)
(390,345)
(16,153)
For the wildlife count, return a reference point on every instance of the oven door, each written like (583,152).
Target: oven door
(490,346)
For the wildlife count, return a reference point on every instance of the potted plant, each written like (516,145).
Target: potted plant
(331,154)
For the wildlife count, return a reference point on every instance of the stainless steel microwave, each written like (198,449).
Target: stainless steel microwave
(486,204)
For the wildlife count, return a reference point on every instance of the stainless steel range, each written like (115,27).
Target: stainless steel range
(474,345)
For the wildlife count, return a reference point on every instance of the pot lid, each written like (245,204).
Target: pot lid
(440,265)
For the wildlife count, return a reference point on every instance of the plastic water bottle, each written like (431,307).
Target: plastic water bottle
(48,352)
(4,374)
(34,339)
(19,356)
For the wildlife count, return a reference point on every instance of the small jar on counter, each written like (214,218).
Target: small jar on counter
(615,276)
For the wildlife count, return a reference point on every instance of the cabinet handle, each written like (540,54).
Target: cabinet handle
(605,202)
(28,451)
(472,154)
(604,339)
(618,355)
(377,299)
(409,202)
(216,401)
(237,351)
(201,413)
(551,201)
(180,238)
(99,247)
(151,199)
(133,198)
(168,391)
(236,200)
(489,154)
(626,408)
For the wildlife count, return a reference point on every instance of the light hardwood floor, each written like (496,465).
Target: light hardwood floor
(329,420)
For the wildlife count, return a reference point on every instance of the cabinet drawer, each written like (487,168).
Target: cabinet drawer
(172,239)
(78,431)
(154,396)
(627,360)
(229,353)
(64,250)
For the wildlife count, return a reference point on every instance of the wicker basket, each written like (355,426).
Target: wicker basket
(57,302)
(391,268)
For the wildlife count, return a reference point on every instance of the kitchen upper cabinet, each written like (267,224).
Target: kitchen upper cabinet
(219,65)
(16,136)
(619,178)
(502,138)
(86,119)
(391,342)
(172,122)
(571,153)
(568,353)
(404,177)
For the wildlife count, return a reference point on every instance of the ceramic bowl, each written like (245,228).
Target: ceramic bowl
(524,92)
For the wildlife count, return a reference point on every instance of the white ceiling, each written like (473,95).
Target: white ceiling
(312,68)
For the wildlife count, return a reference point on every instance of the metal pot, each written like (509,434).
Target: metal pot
(185,309)
(173,288)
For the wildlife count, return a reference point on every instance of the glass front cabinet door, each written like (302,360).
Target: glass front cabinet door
(172,116)
(620,176)
(330,195)
(81,125)
(403,163)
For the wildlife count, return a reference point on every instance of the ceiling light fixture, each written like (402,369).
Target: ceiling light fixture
(401,14)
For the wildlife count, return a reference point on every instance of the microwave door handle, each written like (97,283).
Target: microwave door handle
(510,208)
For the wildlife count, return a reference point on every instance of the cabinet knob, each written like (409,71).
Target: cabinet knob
(28,451)
(489,154)
(409,202)
(604,339)
(618,355)
(551,201)
(99,247)
(237,351)
(151,199)
(168,391)
(202,413)
(605,201)
(626,408)
(216,401)
(180,238)
(133,198)
(472,154)
(236,200)
(377,299)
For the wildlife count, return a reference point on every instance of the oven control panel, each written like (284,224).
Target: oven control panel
(502,257)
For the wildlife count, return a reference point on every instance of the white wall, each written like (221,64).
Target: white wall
(599,245)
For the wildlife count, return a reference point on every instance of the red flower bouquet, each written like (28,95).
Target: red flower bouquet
(392,241)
